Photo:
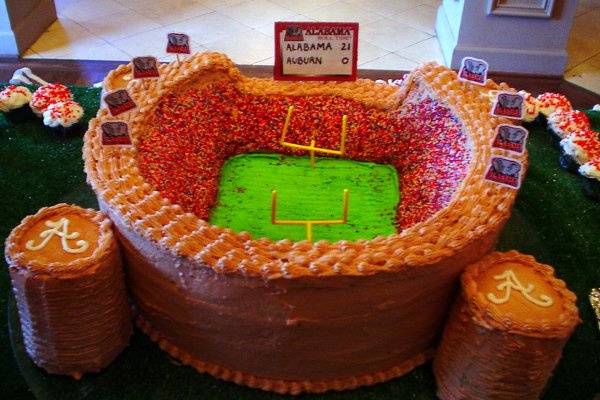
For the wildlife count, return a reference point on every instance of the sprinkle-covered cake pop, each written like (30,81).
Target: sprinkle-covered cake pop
(48,94)
(63,118)
(14,102)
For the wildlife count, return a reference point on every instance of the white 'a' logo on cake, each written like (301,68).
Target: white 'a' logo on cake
(510,282)
(60,229)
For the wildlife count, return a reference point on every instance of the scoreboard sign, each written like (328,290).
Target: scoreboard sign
(316,51)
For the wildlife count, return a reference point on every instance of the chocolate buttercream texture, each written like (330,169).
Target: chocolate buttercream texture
(496,345)
(66,273)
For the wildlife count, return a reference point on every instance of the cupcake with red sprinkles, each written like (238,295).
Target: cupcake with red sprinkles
(564,123)
(48,94)
(14,103)
(549,103)
(64,118)
(531,107)
(590,172)
(578,148)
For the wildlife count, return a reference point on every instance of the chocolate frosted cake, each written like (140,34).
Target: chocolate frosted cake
(287,315)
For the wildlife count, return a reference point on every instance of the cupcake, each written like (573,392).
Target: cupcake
(48,94)
(565,123)
(530,107)
(549,103)
(579,148)
(590,173)
(64,118)
(14,103)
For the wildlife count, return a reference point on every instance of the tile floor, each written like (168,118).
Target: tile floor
(583,68)
(395,34)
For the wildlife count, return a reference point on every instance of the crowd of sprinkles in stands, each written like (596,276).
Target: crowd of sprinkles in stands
(194,131)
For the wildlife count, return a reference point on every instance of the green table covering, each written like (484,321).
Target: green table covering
(552,220)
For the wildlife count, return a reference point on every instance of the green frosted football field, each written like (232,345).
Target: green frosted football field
(306,193)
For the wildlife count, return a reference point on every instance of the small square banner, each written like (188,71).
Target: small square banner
(115,133)
(324,51)
(119,102)
(508,105)
(473,70)
(511,138)
(505,171)
(145,67)
(178,43)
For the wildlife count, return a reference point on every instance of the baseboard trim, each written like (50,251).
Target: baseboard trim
(536,62)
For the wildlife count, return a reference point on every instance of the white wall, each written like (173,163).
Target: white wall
(509,44)
(22,22)
(448,21)
(8,43)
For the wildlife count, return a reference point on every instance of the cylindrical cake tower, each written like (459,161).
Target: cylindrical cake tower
(67,278)
(506,332)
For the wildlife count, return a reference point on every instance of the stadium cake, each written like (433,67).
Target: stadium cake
(287,314)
